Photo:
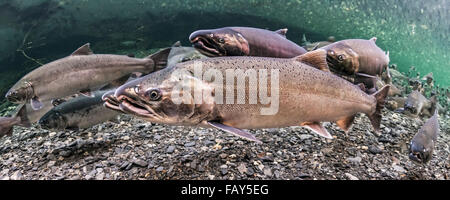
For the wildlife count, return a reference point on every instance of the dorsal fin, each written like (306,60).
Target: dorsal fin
(316,59)
(177,44)
(83,50)
(374,39)
(282,32)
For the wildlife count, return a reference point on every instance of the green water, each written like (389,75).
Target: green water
(416,33)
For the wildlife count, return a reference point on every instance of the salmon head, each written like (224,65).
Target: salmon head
(421,152)
(53,120)
(162,97)
(342,58)
(20,93)
(220,42)
(414,104)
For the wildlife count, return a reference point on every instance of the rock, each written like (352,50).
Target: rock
(399,169)
(189,144)
(124,165)
(140,163)
(354,160)
(100,176)
(4,178)
(268,172)
(375,150)
(16,176)
(159,169)
(170,149)
(223,171)
(305,136)
(223,155)
(224,167)
(51,164)
(157,137)
(250,171)
(242,168)
(351,177)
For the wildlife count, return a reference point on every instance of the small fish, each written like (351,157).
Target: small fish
(78,113)
(307,96)
(422,145)
(316,45)
(357,56)
(82,72)
(180,54)
(396,103)
(394,91)
(245,41)
(417,105)
(7,123)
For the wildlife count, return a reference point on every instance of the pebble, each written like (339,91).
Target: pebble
(351,177)
(250,171)
(305,136)
(223,171)
(375,150)
(399,169)
(170,149)
(189,144)
(51,164)
(242,168)
(100,176)
(268,172)
(16,176)
(140,163)
(354,160)
(159,169)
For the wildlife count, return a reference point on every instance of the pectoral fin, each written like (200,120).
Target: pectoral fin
(36,104)
(235,131)
(316,47)
(316,59)
(346,123)
(87,93)
(317,128)
(22,115)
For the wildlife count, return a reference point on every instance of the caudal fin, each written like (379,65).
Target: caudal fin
(375,118)
(160,58)
(22,115)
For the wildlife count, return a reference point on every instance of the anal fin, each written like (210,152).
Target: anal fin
(235,131)
(317,128)
(346,123)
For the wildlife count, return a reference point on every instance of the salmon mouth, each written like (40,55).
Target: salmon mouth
(206,46)
(130,106)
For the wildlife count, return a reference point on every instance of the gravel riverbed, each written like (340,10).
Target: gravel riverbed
(135,149)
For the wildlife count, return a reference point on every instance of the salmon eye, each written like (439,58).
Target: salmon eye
(154,94)
(341,57)
(221,40)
